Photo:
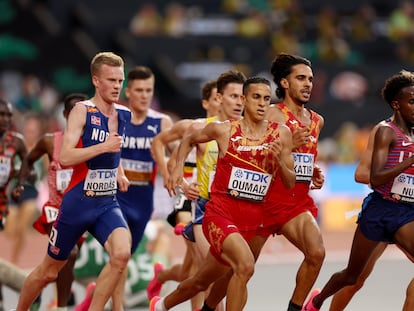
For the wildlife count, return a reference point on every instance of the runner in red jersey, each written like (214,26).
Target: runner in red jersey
(251,152)
(292,212)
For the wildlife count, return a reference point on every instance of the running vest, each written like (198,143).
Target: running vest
(305,156)
(401,188)
(245,171)
(206,165)
(136,159)
(7,157)
(98,175)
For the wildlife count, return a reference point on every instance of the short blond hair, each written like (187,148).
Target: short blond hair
(105,58)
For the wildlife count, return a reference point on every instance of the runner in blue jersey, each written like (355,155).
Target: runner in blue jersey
(91,145)
(136,159)
(138,164)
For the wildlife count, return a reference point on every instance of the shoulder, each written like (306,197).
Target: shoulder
(198,124)
(122,108)
(284,129)
(157,114)
(274,113)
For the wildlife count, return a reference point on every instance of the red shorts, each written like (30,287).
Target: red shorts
(280,210)
(48,216)
(217,228)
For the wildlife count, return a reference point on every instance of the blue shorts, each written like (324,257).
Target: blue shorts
(137,212)
(380,218)
(200,209)
(78,214)
(198,215)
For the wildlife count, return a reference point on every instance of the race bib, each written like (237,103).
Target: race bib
(51,213)
(248,185)
(139,173)
(63,177)
(180,198)
(403,188)
(100,183)
(303,164)
(5,169)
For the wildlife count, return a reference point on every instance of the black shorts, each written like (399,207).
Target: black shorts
(172,217)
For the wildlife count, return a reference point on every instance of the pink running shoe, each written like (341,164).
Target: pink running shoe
(179,228)
(153,303)
(86,302)
(154,286)
(309,304)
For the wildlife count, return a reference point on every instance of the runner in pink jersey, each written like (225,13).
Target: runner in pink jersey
(387,213)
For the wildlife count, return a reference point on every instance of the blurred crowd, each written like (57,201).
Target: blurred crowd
(326,35)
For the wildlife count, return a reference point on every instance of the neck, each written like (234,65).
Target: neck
(105,107)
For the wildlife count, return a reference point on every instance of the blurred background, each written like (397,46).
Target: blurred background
(354,45)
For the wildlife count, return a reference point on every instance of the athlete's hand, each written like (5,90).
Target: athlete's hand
(175,179)
(275,147)
(300,136)
(123,183)
(113,142)
(17,192)
(192,190)
(318,178)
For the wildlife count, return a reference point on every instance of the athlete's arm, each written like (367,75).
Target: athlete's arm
(363,169)
(282,150)
(122,180)
(43,146)
(176,132)
(70,154)
(384,139)
(212,131)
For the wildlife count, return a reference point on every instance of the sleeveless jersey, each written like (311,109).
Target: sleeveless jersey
(243,177)
(137,161)
(7,159)
(245,171)
(206,165)
(98,175)
(401,188)
(304,157)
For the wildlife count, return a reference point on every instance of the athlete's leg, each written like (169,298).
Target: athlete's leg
(303,232)
(341,299)
(361,251)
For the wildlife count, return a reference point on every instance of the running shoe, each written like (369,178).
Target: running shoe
(86,302)
(153,303)
(154,286)
(309,304)
(179,228)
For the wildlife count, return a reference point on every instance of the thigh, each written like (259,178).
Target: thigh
(404,238)
(362,250)
(303,232)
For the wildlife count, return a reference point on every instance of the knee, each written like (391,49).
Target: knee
(46,275)
(351,279)
(120,258)
(73,254)
(316,255)
(244,269)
